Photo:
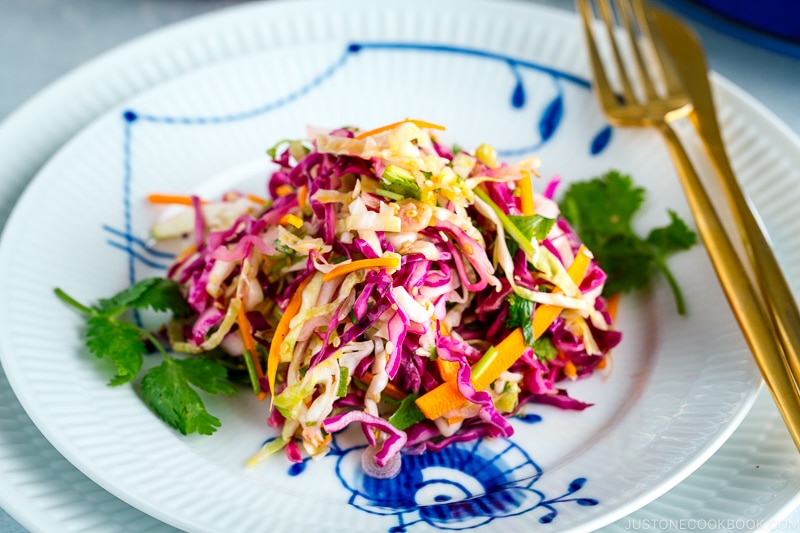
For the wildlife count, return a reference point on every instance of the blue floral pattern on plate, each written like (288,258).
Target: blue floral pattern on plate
(464,486)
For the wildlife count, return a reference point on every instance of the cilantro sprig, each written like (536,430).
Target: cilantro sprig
(520,315)
(601,211)
(168,389)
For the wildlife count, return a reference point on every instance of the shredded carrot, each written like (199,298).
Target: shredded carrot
(182,199)
(256,199)
(447,369)
(446,397)
(186,252)
(346,268)
(602,363)
(179,199)
(526,194)
(247,336)
(302,197)
(612,303)
(419,123)
(284,189)
(570,371)
(248,340)
(292,220)
(441,400)
(281,331)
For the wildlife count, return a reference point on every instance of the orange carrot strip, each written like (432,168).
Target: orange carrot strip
(182,199)
(447,369)
(186,252)
(171,199)
(281,331)
(290,219)
(526,194)
(247,337)
(419,123)
(570,371)
(346,268)
(284,189)
(256,199)
(248,340)
(302,197)
(612,303)
(441,400)
(446,397)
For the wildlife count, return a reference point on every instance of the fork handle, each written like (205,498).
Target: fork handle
(777,294)
(742,297)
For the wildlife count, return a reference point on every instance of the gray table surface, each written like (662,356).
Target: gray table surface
(41,40)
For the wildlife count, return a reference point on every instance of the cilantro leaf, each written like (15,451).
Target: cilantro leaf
(167,391)
(602,206)
(627,260)
(544,349)
(674,237)
(601,211)
(125,298)
(533,226)
(520,314)
(159,294)
(207,375)
(120,342)
(168,388)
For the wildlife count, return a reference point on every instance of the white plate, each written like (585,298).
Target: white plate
(678,388)
(720,426)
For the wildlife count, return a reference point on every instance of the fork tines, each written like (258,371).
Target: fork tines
(655,74)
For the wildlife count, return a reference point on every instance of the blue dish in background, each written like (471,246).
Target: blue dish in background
(771,24)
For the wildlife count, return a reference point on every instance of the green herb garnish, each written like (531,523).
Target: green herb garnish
(544,348)
(407,413)
(601,211)
(168,389)
(534,226)
(520,315)
(530,227)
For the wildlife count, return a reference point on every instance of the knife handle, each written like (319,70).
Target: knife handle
(740,292)
(775,290)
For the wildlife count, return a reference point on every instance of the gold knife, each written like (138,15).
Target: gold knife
(689,61)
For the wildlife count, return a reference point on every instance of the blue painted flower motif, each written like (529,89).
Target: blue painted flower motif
(463,486)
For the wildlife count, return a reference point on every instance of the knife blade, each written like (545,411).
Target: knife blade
(690,64)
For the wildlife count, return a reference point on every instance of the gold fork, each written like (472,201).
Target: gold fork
(659,108)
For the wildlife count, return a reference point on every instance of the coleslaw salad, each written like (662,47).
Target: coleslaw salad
(424,293)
